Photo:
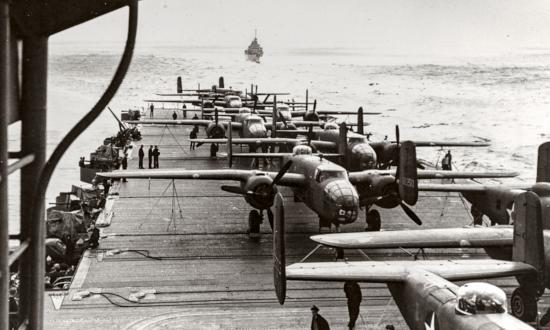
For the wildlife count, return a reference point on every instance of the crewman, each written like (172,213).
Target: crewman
(150,156)
(317,321)
(195,117)
(192,135)
(447,161)
(213,150)
(353,293)
(151,109)
(93,242)
(106,187)
(174,115)
(124,165)
(141,154)
(156,155)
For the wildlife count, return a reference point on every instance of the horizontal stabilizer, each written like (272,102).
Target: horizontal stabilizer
(428,174)
(475,237)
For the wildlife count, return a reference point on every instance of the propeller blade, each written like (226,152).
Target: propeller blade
(397,134)
(270,218)
(420,166)
(314,105)
(411,214)
(281,173)
(234,189)
(309,135)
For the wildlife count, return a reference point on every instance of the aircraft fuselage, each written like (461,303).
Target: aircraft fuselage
(428,301)
(327,191)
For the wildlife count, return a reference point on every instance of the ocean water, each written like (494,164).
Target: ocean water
(501,97)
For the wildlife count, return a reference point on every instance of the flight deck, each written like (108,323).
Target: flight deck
(177,255)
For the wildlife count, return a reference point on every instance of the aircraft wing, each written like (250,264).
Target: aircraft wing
(200,122)
(270,141)
(398,271)
(357,177)
(265,141)
(343,112)
(275,154)
(429,174)
(289,179)
(172,101)
(448,144)
(476,237)
(470,187)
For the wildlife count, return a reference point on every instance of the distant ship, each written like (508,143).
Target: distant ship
(254,51)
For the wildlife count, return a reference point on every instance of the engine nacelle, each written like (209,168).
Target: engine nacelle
(494,202)
(311,116)
(376,186)
(215,131)
(362,157)
(259,193)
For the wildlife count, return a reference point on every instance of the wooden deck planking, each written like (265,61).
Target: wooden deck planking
(212,275)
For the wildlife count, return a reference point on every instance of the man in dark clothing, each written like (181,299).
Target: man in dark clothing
(213,150)
(353,293)
(14,309)
(93,242)
(317,321)
(195,116)
(124,165)
(174,115)
(106,187)
(156,155)
(150,156)
(151,108)
(192,135)
(141,154)
(447,161)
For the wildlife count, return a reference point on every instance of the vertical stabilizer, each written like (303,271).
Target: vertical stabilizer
(543,163)
(221,82)
(407,173)
(230,145)
(179,86)
(528,235)
(274,117)
(279,260)
(342,141)
(360,123)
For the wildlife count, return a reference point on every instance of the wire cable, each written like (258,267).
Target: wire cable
(89,118)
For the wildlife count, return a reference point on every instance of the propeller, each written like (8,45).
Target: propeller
(394,196)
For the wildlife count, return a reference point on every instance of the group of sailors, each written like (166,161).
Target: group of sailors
(152,156)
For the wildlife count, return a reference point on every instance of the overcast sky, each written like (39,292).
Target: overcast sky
(404,25)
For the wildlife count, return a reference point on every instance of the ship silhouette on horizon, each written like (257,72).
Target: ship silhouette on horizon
(254,50)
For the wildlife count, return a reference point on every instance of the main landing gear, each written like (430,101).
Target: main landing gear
(255,219)
(372,218)
(524,305)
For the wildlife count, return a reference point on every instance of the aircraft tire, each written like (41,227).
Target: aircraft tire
(524,306)
(254,221)
(373,220)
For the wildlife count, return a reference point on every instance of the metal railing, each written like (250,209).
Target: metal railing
(23,98)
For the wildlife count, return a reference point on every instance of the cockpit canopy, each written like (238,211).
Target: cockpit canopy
(233,101)
(331,126)
(301,150)
(480,298)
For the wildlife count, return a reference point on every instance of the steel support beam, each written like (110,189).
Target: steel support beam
(5,72)
(33,141)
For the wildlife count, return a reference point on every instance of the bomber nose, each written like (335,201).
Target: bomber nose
(344,201)
(258,131)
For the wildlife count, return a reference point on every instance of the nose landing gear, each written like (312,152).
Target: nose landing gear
(372,218)
(255,219)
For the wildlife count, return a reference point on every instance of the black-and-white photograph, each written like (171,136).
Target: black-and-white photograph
(323,164)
